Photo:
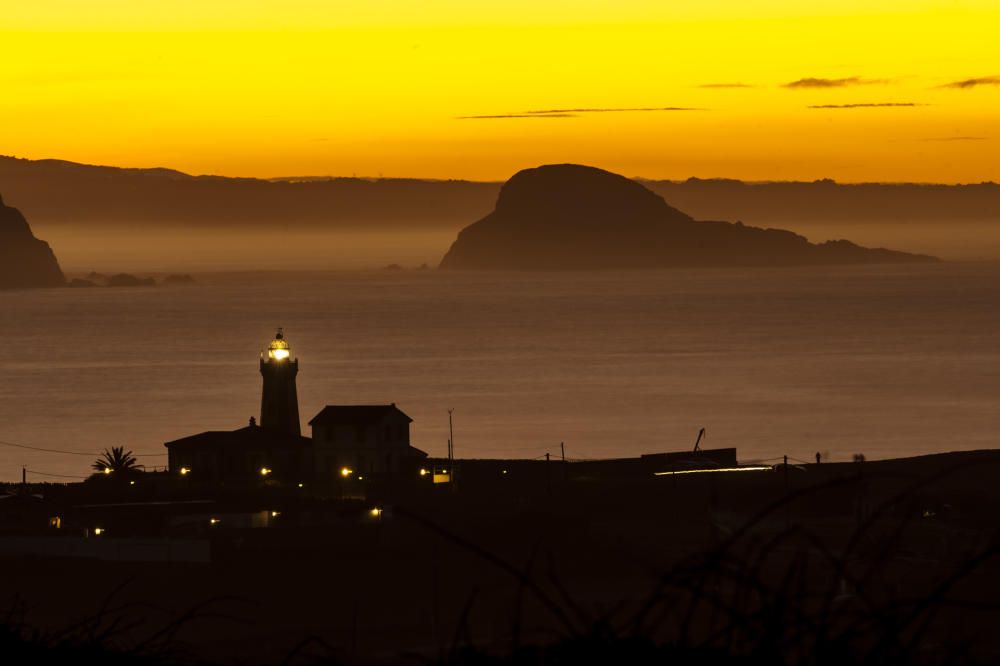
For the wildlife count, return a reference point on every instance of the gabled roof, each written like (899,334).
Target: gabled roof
(356,414)
(252,435)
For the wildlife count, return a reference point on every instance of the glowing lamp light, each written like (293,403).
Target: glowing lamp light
(346,472)
(302,485)
(423,472)
(185,471)
(131,483)
(107,470)
(98,531)
(265,471)
(213,521)
(278,349)
(275,514)
(376,512)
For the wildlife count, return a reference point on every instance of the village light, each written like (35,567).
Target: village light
(302,485)
(376,512)
(107,470)
(346,472)
(213,521)
(275,514)
(423,472)
(98,531)
(185,471)
(131,483)
(264,471)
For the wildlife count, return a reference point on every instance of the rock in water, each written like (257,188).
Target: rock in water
(25,261)
(573,217)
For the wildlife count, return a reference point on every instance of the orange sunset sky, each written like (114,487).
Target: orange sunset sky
(857,91)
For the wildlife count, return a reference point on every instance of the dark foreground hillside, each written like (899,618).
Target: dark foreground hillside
(885,562)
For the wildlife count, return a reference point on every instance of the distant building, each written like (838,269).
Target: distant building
(372,439)
(353,440)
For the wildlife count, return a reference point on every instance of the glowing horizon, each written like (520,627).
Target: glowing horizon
(877,91)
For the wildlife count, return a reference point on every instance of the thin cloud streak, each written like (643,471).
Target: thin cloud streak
(516,115)
(813,82)
(973,83)
(865,105)
(958,138)
(725,85)
(545,112)
(573,113)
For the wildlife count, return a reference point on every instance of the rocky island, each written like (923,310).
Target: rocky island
(574,217)
(25,261)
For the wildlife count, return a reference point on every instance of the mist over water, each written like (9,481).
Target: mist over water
(888,361)
(144,248)
(110,249)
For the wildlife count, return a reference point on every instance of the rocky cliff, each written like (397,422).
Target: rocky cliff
(25,261)
(568,216)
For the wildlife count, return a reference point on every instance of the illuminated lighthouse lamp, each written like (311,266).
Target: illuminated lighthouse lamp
(278,350)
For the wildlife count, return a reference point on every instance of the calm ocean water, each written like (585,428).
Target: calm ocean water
(887,361)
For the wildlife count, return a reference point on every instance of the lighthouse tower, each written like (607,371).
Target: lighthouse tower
(279,404)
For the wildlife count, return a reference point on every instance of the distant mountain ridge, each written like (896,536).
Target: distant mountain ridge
(576,217)
(56,191)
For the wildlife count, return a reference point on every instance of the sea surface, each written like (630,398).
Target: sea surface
(885,361)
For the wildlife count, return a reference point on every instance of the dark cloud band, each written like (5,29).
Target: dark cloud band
(812,82)
(974,83)
(865,105)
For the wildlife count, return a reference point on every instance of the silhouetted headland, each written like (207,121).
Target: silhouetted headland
(569,216)
(25,261)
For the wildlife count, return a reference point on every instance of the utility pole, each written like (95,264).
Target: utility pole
(787,508)
(565,467)
(548,476)
(451,438)
(24,476)
(451,448)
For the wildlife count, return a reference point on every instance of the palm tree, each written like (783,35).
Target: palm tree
(117,459)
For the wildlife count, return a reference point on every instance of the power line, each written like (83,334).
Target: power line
(38,448)
(63,476)
(70,453)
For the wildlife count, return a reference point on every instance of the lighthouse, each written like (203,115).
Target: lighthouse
(279,403)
